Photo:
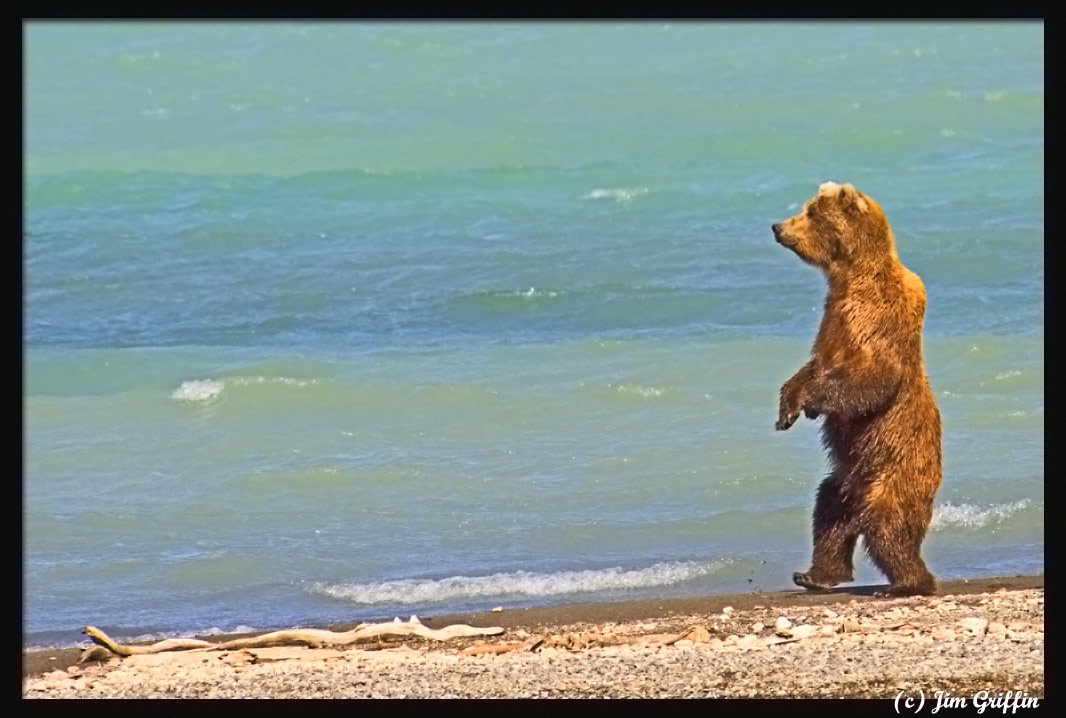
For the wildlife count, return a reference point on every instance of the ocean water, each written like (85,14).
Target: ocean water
(346,321)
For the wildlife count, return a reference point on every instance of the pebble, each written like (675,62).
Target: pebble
(748,641)
(805,631)
(974,625)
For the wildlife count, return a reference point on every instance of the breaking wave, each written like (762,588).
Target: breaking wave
(971,516)
(206,390)
(618,194)
(517,583)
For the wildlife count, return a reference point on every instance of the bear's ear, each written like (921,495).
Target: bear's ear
(849,196)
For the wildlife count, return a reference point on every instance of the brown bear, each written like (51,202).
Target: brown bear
(866,378)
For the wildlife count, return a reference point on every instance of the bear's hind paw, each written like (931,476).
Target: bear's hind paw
(803,579)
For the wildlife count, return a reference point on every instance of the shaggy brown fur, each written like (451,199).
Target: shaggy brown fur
(866,378)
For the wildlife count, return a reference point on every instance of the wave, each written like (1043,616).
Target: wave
(518,583)
(206,390)
(531,293)
(58,640)
(618,194)
(198,390)
(970,516)
(80,186)
(555,312)
(645,392)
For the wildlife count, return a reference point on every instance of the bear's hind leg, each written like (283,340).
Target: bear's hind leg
(893,540)
(835,533)
(831,563)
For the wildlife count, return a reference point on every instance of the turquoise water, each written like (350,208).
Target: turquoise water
(341,321)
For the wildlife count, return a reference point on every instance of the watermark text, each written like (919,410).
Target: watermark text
(1004,702)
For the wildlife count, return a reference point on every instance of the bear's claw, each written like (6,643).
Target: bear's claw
(786,420)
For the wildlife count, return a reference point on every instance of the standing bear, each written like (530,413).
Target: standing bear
(866,378)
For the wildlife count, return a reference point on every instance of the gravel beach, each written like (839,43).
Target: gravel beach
(979,635)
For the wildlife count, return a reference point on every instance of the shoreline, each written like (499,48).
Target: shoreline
(618,611)
(664,615)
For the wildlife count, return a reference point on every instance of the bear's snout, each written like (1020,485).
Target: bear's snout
(776,228)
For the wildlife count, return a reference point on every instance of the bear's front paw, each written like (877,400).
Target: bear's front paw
(790,404)
(786,419)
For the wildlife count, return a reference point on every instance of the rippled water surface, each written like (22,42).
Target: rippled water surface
(331,321)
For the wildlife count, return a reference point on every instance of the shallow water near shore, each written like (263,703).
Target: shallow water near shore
(329,322)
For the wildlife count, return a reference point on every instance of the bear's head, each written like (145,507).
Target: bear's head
(839,229)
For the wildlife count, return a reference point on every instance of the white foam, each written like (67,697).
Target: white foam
(216,631)
(198,390)
(205,390)
(647,392)
(533,292)
(518,583)
(618,194)
(971,516)
(282,380)
(144,637)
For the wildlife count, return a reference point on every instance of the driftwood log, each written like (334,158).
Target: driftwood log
(312,637)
